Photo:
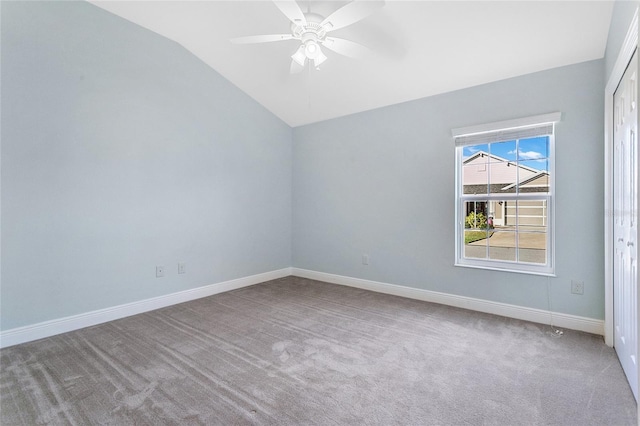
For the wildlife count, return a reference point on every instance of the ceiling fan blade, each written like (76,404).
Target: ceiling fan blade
(347,48)
(291,10)
(261,38)
(351,13)
(296,67)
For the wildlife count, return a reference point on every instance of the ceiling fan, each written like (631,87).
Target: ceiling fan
(311,30)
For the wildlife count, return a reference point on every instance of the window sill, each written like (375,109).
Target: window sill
(506,269)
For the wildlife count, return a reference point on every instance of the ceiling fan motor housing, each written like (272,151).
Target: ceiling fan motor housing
(311,30)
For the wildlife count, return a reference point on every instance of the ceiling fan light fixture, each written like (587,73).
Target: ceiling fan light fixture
(311,49)
(320,58)
(299,57)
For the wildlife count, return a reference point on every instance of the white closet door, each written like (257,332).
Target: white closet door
(625,265)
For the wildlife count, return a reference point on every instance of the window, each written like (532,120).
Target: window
(505,195)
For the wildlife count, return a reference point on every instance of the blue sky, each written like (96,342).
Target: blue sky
(532,152)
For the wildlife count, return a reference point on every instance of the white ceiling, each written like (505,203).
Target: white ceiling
(422,47)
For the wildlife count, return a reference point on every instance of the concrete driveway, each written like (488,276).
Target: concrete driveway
(532,243)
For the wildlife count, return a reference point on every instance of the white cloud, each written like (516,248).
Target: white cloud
(528,155)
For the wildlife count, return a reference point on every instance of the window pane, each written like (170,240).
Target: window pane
(503,150)
(534,176)
(531,215)
(472,150)
(502,167)
(532,247)
(502,245)
(475,178)
(475,174)
(495,213)
(502,176)
(475,215)
(533,148)
(476,248)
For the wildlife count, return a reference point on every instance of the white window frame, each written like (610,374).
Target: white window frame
(521,128)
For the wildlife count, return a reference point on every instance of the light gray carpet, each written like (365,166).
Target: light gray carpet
(296,351)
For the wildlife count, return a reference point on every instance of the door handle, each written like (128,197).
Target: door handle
(629,243)
(620,240)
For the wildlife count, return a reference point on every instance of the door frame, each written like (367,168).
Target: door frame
(624,56)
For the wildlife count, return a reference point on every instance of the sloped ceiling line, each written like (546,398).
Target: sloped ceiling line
(424,48)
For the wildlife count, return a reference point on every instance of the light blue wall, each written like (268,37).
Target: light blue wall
(382,183)
(620,20)
(122,151)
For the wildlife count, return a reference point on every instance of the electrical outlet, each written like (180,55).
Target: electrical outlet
(365,259)
(577,287)
(159,271)
(182,268)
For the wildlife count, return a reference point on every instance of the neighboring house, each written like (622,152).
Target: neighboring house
(486,173)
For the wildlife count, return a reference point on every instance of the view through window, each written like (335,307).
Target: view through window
(505,202)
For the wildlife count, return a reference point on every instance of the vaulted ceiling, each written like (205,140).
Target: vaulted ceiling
(421,48)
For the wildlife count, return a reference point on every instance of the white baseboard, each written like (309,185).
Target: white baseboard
(51,328)
(540,316)
(62,325)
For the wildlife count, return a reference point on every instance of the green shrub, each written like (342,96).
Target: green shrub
(476,220)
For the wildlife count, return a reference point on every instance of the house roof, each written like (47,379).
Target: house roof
(499,159)
(527,180)
(504,179)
